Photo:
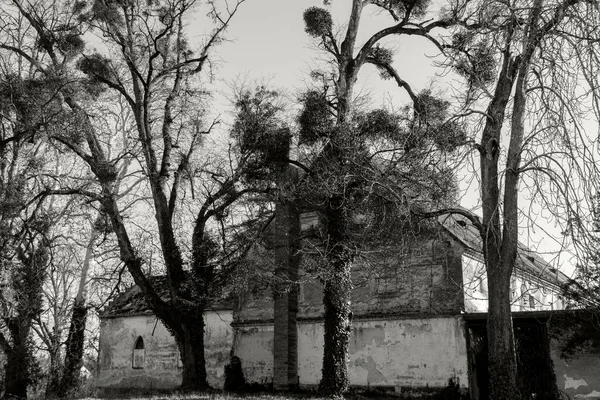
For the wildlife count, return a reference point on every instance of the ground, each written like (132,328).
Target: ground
(354,394)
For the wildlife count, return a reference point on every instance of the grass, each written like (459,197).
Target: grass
(312,395)
(219,395)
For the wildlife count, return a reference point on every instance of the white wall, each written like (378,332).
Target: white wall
(162,368)
(402,352)
(525,292)
(254,346)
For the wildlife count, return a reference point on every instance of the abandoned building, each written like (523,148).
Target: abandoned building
(417,322)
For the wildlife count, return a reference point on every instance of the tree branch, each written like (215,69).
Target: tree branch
(473,218)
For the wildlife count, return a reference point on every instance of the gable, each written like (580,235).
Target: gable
(528,264)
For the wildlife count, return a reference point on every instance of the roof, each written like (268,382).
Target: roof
(133,303)
(528,261)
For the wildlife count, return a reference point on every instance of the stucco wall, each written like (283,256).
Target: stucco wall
(575,350)
(253,344)
(162,368)
(578,376)
(424,280)
(397,353)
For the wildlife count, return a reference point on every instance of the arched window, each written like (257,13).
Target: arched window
(139,353)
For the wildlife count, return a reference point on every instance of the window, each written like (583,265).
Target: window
(531,301)
(139,353)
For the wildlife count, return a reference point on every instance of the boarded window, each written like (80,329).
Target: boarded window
(139,353)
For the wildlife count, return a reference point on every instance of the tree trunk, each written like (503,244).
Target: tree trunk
(17,369)
(76,337)
(501,349)
(74,349)
(336,300)
(501,250)
(337,285)
(502,361)
(54,371)
(190,340)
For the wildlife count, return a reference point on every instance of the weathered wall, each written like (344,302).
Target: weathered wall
(424,280)
(575,350)
(253,344)
(574,344)
(396,353)
(578,376)
(162,367)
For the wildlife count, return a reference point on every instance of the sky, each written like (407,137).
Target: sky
(267,42)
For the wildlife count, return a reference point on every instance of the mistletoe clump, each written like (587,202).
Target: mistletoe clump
(380,124)
(381,57)
(478,64)
(318,22)
(315,118)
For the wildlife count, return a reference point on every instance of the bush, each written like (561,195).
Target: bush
(234,375)
(451,392)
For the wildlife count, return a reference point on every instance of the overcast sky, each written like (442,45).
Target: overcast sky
(268,42)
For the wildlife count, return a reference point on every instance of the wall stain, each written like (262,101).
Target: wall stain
(374,376)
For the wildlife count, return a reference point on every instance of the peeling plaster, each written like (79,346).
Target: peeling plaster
(594,395)
(374,376)
(579,376)
(571,383)
(117,338)
(408,352)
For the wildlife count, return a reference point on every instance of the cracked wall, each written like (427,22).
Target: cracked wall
(394,343)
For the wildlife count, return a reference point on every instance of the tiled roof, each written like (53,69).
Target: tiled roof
(528,261)
(132,302)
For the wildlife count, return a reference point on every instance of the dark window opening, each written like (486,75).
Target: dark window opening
(139,353)
(531,301)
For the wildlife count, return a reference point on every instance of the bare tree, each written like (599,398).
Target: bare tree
(187,187)
(525,60)
(27,218)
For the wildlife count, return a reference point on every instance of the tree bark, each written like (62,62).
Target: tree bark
(76,337)
(337,300)
(500,250)
(337,285)
(74,349)
(190,340)
(502,361)
(55,368)
(17,374)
